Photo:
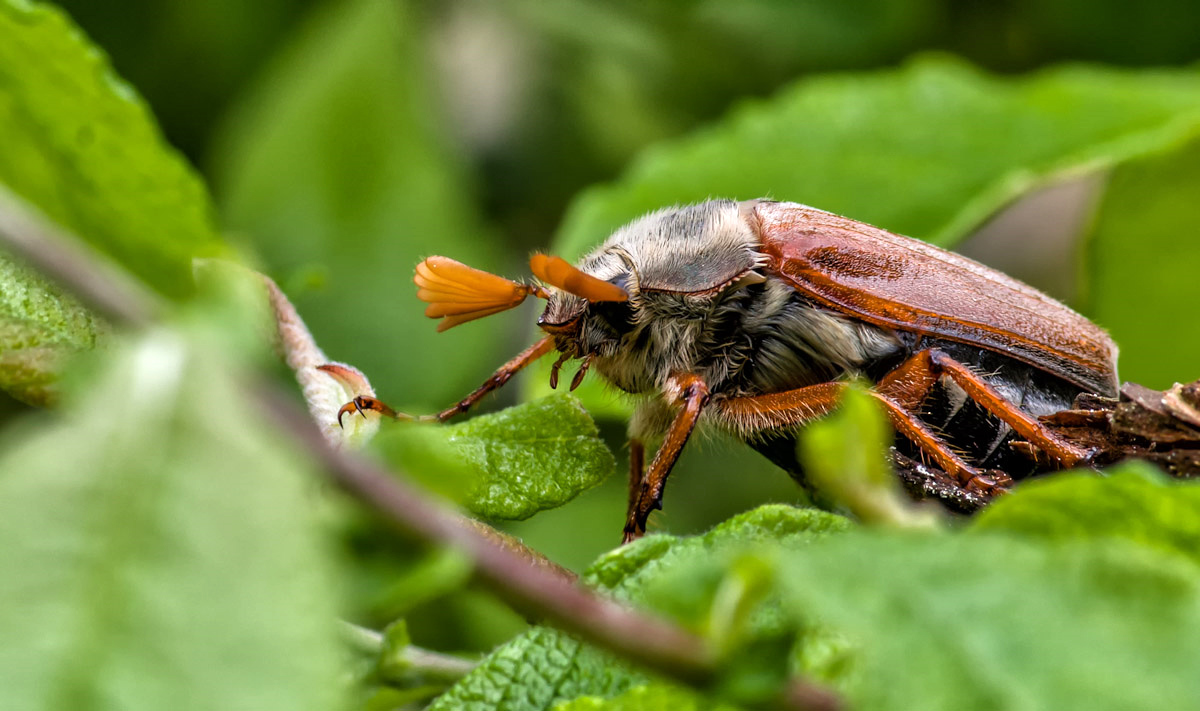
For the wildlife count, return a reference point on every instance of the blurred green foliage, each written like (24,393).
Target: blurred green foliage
(162,552)
(166,541)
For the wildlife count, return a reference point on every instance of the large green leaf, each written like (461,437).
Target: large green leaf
(161,549)
(82,147)
(1134,502)
(954,622)
(553,667)
(507,465)
(1143,269)
(929,150)
(336,168)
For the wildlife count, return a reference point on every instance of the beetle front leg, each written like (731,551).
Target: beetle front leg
(692,392)
(912,380)
(502,375)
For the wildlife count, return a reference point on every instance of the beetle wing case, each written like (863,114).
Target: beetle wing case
(902,283)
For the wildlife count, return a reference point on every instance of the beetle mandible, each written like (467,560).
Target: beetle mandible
(750,316)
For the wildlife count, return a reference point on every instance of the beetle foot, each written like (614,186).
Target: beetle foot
(363,403)
(990,483)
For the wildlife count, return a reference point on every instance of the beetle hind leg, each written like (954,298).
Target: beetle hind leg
(912,380)
(797,407)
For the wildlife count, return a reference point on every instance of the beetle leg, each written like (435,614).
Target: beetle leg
(693,393)
(500,377)
(797,407)
(912,380)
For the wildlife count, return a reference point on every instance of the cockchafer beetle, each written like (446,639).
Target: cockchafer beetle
(750,316)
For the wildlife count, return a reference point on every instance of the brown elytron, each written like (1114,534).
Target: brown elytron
(902,283)
(748,317)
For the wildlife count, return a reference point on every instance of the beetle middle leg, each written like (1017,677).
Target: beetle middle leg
(912,380)
(693,393)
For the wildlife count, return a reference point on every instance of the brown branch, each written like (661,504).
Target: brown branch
(541,589)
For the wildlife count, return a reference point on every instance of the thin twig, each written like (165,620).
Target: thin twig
(424,663)
(650,641)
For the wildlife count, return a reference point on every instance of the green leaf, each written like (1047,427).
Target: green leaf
(167,549)
(337,169)
(535,671)
(626,570)
(1135,502)
(962,143)
(929,150)
(83,148)
(544,666)
(41,329)
(1142,271)
(507,465)
(981,621)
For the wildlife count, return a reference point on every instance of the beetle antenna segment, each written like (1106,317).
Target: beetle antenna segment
(457,293)
(558,364)
(558,272)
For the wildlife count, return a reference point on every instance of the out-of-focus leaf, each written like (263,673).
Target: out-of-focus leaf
(507,465)
(336,169)
(1142,272)
(1133,502)
(162,550)
(554,667)
(41,327)
(929,150)
(212,47)
(845,457)
(954,622)
(81,146)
